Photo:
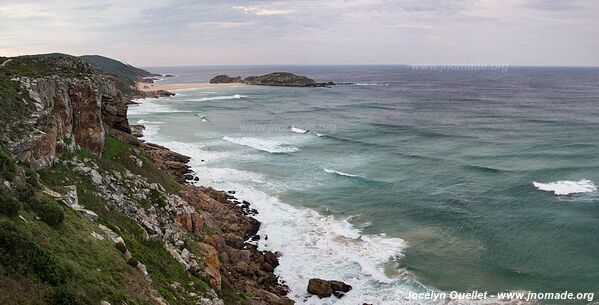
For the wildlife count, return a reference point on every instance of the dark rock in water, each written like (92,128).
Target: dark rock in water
(321,288)
(255,238)
(340,286)
(231,192)
(168,75)
(284,79)
(196,179)
(271,258)
(225,79)
(253,229)
(156,94)
(137,130)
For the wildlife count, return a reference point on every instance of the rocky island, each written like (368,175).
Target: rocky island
(281,79)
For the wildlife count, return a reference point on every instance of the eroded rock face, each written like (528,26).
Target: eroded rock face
(70,114)
(173,163)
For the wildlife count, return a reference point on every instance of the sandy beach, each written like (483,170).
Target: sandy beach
(171,86)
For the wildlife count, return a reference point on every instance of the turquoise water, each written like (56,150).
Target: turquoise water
(406,180)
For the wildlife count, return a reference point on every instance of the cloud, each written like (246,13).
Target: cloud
(263,10)
(188,32)
(217,25)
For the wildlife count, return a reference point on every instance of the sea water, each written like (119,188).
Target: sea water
(400,180)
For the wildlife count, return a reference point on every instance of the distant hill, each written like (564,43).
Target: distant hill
(128,74)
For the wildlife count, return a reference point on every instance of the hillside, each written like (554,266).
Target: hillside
(91,215)
(126,73)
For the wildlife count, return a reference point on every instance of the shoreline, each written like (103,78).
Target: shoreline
(248,208)
(245,266)
(153,87)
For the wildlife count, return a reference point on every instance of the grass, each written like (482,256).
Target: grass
(16,106)
(162,268)
(46,65)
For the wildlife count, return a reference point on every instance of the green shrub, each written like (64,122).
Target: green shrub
(156,198)
(7,166)
(51,213)
(33,179)
(24,192)
(64,296)
(133,262)
(121,247)
(33,203)
(20,254)
(9,206)
(49,210)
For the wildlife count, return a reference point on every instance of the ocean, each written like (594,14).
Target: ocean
(400,180)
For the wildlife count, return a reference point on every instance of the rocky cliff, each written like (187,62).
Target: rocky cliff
(69,109)
(91,215)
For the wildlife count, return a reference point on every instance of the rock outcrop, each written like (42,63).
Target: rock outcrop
(204,230)
(173,163)
(281,79)
(69,114)
(225,79)
(324,288)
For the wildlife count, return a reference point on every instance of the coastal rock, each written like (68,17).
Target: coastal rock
(137,130)
(340,286)
(321,288)
(155,94)
(225,79)
(324,288)
(173,163)
(284,79)
(69,112)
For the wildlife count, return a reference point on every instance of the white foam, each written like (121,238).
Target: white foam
(143,122)
(566,187)
(298,130)
(314,245)
(332,171)
(224,97)
(270,146)
(370,84)
(150,106)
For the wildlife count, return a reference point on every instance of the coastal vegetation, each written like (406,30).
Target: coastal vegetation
(91,215)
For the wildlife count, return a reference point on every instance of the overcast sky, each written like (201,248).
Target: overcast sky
(175,32)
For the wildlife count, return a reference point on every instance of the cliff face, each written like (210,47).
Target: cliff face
(102,218)
(69,114)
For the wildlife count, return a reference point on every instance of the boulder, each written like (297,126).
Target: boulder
(340,286)
(323,288)
(319,287)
